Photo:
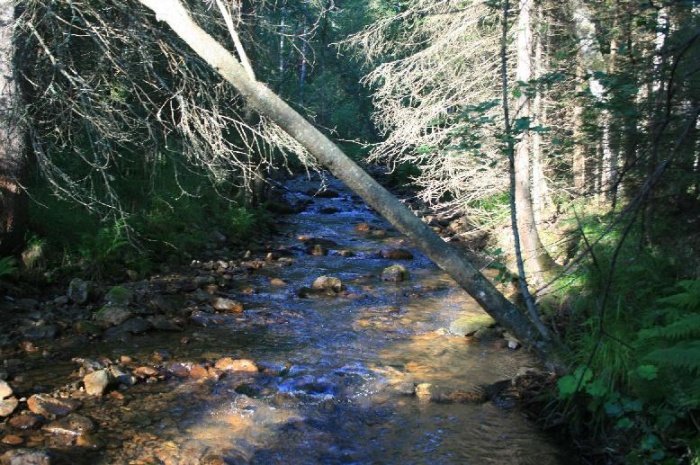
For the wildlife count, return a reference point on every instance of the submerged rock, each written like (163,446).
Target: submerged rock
(426,392)
(73,425)
(50,407)
(468,325)
(395,273)
(224,304)
(26,457)
(396,254)
(26,421)
(229,364)
(328,283)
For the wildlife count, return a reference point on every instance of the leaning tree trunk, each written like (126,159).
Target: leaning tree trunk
(328,154)
(12,141)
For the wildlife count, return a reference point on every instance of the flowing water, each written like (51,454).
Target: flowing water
(338,373)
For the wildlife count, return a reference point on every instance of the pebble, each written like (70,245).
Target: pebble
(26,421)
(5,389)
(12,440)
(7,406)
(179,370)
(96,382)
(224,304)
(198,372)
(396,254)
(146,371)
(26,457)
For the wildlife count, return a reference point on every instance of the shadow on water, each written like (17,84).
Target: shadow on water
(338,375)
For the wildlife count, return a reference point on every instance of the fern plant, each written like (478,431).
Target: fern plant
(103,250)
(674,346)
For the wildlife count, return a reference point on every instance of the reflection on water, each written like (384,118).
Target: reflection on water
(337,373)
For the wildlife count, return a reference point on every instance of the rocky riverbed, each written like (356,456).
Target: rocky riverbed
(335,342)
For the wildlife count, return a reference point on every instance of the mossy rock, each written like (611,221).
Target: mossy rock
(119,295)
(112,315)
(395,273)
(468,325)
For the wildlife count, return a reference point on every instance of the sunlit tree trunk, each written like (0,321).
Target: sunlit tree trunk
(592,64)
(657,102)
(12,138)
(540,191)
(328,154)
(537,261)
(580,163)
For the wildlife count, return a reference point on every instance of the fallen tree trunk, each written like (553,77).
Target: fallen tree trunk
(267,103)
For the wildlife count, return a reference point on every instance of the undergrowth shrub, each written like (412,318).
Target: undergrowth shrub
(635,339)
(8,267)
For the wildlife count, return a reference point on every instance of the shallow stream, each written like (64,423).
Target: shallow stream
(338,374)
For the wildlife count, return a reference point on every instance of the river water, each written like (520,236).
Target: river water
(338,373)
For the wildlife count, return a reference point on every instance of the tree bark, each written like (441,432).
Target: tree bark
(329,155)
(538,262)
(12,139)
(593,63)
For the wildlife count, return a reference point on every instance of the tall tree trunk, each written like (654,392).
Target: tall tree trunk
(580,164)
(304,64)
(12,138)
(593,64)
(283,29)
(538,262)
(541,198)
(329,155)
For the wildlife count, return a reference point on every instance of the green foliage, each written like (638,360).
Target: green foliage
(101,251)
(673,346)
(34,253)
(241,222)
(403,175)
(640,377)
(8,267)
